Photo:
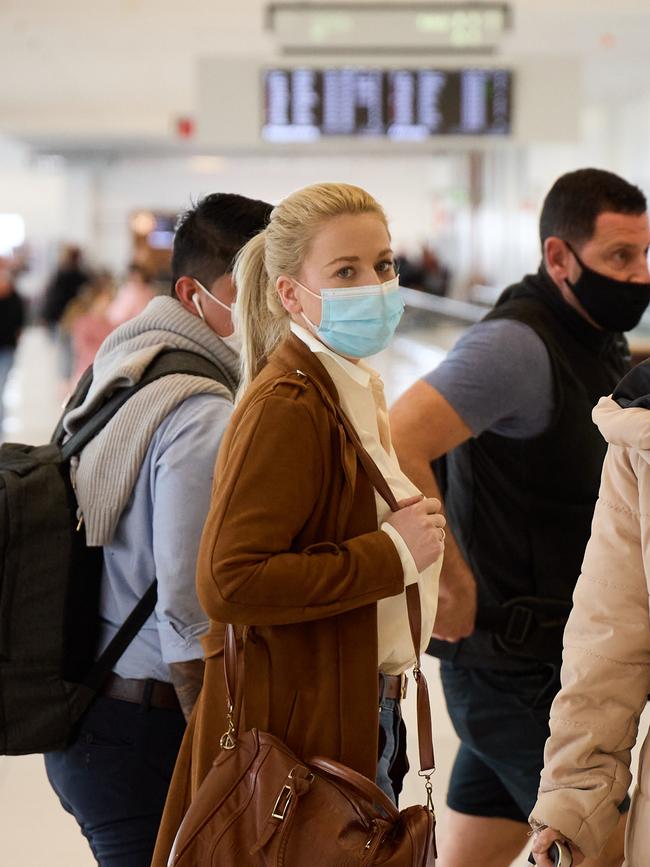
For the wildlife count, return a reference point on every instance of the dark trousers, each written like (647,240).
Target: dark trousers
(114,777)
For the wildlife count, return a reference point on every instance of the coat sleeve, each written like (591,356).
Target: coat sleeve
(606,665)
(270,481)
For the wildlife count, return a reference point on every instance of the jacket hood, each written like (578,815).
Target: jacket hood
(623,418)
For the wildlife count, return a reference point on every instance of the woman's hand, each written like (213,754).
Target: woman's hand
(421,526)
(542,841)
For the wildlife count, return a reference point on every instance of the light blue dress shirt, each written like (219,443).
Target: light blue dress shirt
(158,537)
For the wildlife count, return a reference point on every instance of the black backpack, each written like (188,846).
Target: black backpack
(50,579)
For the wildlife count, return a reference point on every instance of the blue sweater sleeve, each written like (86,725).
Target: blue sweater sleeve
(498,378)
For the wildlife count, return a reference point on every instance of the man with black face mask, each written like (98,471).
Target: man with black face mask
(503,430)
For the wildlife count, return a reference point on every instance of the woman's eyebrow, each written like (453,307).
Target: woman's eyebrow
(356,258)
(343,259)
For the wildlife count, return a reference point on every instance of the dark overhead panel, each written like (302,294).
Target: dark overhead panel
(388,28)
(307,105)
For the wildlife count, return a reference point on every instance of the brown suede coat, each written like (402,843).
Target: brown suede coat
(290,549)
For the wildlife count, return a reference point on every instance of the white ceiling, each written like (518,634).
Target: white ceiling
(124,70)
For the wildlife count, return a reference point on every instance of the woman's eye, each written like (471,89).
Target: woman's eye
(345,273)
(385,267)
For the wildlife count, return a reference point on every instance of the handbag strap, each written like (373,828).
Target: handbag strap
(413,605)
(413,601)
(362,785)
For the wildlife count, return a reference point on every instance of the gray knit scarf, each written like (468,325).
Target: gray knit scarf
(105,475)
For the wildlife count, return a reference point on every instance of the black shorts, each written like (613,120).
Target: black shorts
(501,718)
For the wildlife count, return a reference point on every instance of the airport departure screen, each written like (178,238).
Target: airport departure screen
(399,104)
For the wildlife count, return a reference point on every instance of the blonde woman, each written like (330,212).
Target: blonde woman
(298,547)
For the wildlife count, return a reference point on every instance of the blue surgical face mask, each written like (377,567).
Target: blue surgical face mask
(358,321)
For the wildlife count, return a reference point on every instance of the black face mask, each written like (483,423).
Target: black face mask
(615,305)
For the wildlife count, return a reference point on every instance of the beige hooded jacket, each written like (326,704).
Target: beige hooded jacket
(606,663)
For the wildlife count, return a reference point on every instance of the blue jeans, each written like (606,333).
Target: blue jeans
(390,719)
(114,777)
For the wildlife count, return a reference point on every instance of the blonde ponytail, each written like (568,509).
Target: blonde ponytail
(280,249)
(260,317)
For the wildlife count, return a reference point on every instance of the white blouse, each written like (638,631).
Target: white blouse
(361,393)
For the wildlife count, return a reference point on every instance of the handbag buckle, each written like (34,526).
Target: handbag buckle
(227,741)
(282,803)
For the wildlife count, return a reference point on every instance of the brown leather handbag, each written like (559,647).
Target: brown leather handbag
(262,806)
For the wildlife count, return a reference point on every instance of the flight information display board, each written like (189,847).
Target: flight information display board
(399,104)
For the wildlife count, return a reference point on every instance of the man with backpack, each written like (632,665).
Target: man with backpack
(143,487)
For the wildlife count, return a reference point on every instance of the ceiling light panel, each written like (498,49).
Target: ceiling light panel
(453,27)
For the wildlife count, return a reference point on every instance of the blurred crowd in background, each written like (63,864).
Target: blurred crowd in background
(81,304)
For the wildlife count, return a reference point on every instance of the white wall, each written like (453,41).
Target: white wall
(89,202)
(37,192)
(415,190)
(614,135)
(425,195)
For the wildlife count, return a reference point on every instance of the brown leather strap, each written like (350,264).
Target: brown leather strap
(414,609)
(413,604)
(230,665)
(425,733)
(356,781)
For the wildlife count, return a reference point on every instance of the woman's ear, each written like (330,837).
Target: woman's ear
(285,287)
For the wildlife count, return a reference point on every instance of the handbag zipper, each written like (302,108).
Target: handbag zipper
(374,843)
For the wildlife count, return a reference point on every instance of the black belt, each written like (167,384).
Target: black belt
(527,626)
(149,693)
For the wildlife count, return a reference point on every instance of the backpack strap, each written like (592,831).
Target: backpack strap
(76,399)
(105,663)
(173,361)
(170,362)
